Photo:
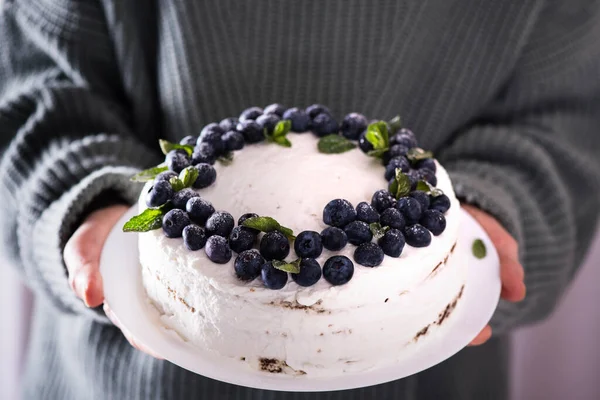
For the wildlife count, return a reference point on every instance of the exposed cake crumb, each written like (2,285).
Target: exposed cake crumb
(386,300)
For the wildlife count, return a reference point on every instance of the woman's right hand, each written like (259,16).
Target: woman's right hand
(82,258)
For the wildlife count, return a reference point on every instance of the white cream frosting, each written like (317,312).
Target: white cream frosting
(370,322)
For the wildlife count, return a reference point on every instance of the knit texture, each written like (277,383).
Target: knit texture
(506,93)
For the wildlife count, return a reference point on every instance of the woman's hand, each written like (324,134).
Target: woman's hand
(511,270)
(82,258)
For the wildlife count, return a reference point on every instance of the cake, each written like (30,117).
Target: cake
(323,307)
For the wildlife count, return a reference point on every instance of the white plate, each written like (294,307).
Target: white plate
(124,293)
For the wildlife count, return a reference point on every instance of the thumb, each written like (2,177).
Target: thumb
(82,254)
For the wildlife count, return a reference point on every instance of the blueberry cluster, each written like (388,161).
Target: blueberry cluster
(410,219)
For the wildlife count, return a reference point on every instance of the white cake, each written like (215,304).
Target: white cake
(377,318)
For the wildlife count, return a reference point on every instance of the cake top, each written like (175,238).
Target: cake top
(286,199)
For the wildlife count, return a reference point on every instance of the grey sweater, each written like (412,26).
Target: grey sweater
(507,94)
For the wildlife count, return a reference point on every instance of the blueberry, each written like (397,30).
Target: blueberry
(267,121)
(199,209)
(410,208)
(392,243)
(317,109)
(276,109)
(299,118)
(194,237)
(173,223)
(422,198)
(274,246)
(228,124)
(245,217)
(217,250)
(395,151)
(181,198)
(310,272)
(358,232)
(214,137)
(324,124)
(400,162)
(363,143)
(165,176)
(333,238)
(353,125)
(251,113)
(407,132)
(366,213)
(189,141)
(434,221)
(308,244)
(369,254)
(393,218)
(404,140)
(177,160)
(382,200)
(219,223)
(440,203)
(427,175)
(428,163)
(206,176)
(247,265)
(159,194)
(272,277)
(252,131)
(212,127)
(204,153)
(417,236)
(233,140)
(338,270)
(241,239)
(339,212)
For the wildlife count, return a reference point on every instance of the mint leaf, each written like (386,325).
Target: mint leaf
(377,230)
(292,267)
(378,135)
(429,188)
(335,144)
(395,124)
(268,224)
(148,220)
(176,183)
(167,146)
(282,141)
(226,158)
(478,248)
(401,185)
(148,174)
(377,153)
(188,176)
(435,192)
(416,154)
(282,128)
(423,186)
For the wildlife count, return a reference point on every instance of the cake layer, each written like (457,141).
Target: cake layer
(321,329)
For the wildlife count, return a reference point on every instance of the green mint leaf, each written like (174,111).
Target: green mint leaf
(167,146)
(282,141)
(226,158)
(148,220)
(435,192)
(402,184)
(478,248)
(148,174)
(377,153)
(268,224)
(335,144)
(395,124)
(416,154)
(292,267)
(188,176)
(282,128)
(423,186)
(377,230)
(176,183)
(267,136)
(375,136)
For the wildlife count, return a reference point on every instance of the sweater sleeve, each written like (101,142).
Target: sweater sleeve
(531,159)
(66,134)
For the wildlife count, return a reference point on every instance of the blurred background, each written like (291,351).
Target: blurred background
(556,360)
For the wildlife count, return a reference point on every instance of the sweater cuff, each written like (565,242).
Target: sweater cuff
(57,223)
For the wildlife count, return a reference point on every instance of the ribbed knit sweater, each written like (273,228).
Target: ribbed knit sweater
(506,93)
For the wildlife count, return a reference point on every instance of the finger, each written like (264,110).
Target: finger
(87,284)
(482,337)
(132,341)
(513,288)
